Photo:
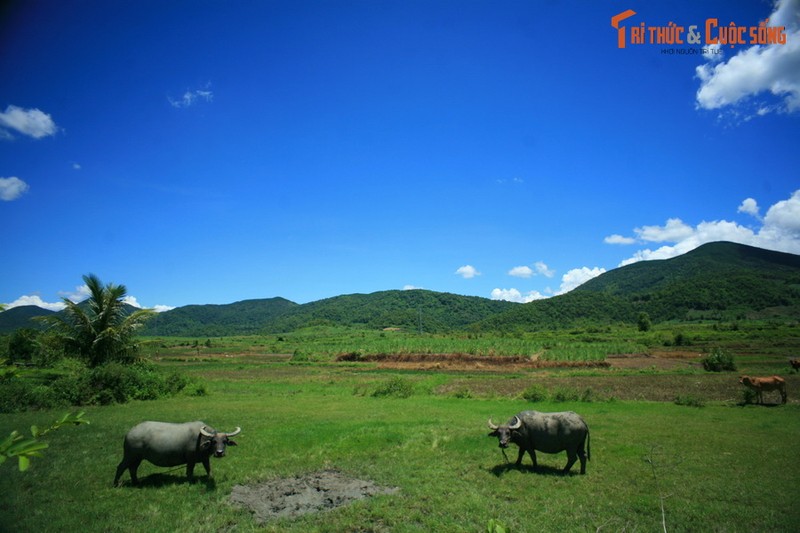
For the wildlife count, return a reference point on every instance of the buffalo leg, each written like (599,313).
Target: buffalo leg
(207,465)
(582,457)
(120,469)
(190,471)
(133,467)
(522,454)
(571,458)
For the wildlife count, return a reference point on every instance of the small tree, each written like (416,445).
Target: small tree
(719,360)
(23,345)
(644,322)
(98,330)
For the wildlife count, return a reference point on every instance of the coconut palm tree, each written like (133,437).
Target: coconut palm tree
(100,329)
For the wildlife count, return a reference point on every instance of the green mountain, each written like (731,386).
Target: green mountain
(434,312)
(20,317)
(716,280)
(240,318)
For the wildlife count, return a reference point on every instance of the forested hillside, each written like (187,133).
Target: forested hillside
(433,312)
(21,317)
(716,280)
(240,318)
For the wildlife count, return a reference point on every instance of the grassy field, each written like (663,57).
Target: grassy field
(324,343)
(721,467)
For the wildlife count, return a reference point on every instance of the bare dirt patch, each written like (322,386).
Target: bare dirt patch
(311,493)
(658,360)
(465,362)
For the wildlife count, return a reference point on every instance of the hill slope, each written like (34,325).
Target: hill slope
(20,317)
(408,309)
(239,318)
(717,279)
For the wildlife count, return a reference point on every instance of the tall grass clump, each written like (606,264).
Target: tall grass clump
(396,387)
(102,385)
(719,360)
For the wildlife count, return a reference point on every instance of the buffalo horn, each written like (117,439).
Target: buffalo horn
(491,425)
(515,425)
(235,432)
(205,432)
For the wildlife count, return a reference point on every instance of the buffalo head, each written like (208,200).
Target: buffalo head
(503,432)
(215,441)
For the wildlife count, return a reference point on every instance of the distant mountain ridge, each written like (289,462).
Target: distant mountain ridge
(715,280)
(21,317)
(721,279)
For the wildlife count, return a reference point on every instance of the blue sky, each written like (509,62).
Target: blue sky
(215,151)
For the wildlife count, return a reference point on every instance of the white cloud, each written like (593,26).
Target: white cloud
(521,272)
(780,231)
(31,122)
(191,98)
(619,239)
(577,277)
(673,231)
(163,308)
(749,206)
(542,269)
(467,272)
(760,68)
(37,301)
(513,295)
(12,188)
(80,293)
(131,300)
(410,287)
(539,268)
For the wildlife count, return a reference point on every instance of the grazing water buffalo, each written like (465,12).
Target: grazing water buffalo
(546,432)
(765,384)
(165,444)
(795,362)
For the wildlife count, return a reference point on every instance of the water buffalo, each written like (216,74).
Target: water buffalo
(546,432)
(165,444)
(765,384)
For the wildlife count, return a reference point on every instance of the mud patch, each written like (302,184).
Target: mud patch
(464,362)
(311,493)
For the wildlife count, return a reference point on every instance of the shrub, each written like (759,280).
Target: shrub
(564,394)
(535,393)
(15,395)
(691,401)
(719,360)
(749,396)
(397,387)
(103,385)
(462,393)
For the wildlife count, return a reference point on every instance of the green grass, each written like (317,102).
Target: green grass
(324,343)
(718,467)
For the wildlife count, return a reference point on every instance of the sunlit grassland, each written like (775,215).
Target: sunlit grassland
(718,468)
(576,344)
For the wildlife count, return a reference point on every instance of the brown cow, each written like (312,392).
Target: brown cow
(795,363)
(765,384)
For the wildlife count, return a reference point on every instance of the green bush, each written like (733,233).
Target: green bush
(102,385)
(749,396)
(565,394)
(689,400)
(397,387)
(535,393)
(719,360)
(15,395)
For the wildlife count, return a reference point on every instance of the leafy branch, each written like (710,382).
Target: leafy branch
(24,448)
